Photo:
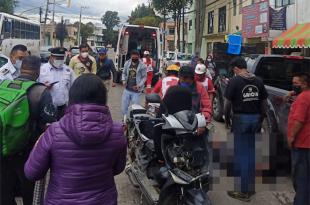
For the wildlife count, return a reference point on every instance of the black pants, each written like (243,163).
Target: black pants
(61,111)
(12,174)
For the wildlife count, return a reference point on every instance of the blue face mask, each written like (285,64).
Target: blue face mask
(186,85)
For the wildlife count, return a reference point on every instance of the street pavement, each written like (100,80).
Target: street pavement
(128,195)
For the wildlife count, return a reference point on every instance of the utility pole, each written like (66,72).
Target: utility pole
(79,31)
(53,19)
(45,19)
(183,28)
(40,12)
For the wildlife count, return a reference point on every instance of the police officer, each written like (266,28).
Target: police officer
(58,78)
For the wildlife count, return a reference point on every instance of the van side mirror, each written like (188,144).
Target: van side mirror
(153,98)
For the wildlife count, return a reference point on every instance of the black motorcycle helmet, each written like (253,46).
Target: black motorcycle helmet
(187,71)
(177,99)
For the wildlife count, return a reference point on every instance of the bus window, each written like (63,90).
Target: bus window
(16,29)
(7,28)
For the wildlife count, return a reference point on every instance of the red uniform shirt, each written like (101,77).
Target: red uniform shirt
(300,111)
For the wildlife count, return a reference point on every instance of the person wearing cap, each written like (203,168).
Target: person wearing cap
(200,97)
(201,76)
(150,64)
(105,68)
(83,63)
(171,79)
(42,112)
(58,78)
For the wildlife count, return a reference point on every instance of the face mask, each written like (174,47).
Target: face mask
(18,64)
(185,85)
(209,60)
(58,63)
(200,78)
(134,60)
(84,54)
(297,90)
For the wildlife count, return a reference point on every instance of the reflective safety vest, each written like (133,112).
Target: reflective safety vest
(167,82)
(149,64)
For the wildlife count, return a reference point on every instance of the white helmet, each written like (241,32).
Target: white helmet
(200,69)
(146,53)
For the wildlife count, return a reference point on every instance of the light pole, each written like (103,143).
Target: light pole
(79,31)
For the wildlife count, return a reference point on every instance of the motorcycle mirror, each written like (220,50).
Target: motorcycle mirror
(153,98)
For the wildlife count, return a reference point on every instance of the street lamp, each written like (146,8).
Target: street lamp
(79,32)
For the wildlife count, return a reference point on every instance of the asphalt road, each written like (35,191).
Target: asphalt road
(128,195)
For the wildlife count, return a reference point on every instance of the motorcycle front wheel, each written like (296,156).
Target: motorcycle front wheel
(172,196)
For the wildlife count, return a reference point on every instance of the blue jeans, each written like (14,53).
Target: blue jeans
(128,98)
(244,128)
(301,175)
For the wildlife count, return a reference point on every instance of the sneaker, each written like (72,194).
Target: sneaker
(239,195)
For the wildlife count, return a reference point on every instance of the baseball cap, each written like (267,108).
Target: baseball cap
(146,53)
(102,51)
(200,69)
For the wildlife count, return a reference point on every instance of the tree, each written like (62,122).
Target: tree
(141,11)
(86,31)
(61,32)
(148,21)
(110,19)
(161,6)
(7,6)
(177,9)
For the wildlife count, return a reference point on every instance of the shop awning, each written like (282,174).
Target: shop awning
(296,37)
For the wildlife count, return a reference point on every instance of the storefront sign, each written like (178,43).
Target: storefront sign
(277,19)
(255,20)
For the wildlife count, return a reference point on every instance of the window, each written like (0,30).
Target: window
(235,7)
(7,28)
(171,46)
(190,25)
(171,31)
(240,6)
(280,3)
(210,22)
(16,29)
(222,19)
(278,72)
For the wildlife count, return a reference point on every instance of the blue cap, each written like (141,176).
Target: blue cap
(102,51)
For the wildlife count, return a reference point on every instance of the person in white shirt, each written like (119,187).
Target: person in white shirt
(11,70)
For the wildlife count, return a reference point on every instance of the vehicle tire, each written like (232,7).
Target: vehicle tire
(171,196)
(218,109)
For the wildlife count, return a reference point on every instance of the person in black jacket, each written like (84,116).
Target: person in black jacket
(42,112)
(105,69)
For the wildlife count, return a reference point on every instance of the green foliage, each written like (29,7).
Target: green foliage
(110,37)
(86,31)
(7,6)
(147,21)
(140,12)
(110,19)
(61,33)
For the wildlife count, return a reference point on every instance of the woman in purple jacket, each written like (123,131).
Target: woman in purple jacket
(84,150)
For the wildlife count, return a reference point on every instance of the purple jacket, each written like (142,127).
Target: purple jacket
(84,151)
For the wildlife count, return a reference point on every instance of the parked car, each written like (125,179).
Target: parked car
(276,71)
(45,54)
(182,58)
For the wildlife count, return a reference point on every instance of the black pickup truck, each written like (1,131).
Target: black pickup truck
(276,71)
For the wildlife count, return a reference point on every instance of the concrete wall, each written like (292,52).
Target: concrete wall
(303,13)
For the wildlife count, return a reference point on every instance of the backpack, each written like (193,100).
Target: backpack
(15,126)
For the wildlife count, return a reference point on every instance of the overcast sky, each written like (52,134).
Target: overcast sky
(96,8)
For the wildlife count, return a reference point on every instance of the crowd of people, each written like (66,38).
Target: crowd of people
(55,117)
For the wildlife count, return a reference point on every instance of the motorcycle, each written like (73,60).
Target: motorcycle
(183,176)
